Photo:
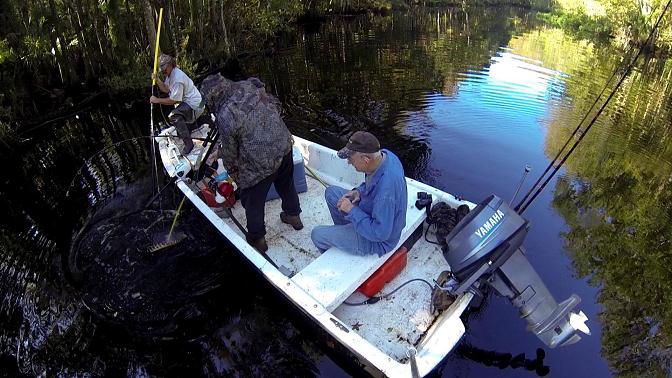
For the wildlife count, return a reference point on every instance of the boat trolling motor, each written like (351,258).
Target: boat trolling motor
(485,248)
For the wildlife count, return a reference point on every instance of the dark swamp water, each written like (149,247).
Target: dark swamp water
(466,100)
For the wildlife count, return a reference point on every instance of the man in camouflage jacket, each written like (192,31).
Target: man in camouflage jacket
(256,148)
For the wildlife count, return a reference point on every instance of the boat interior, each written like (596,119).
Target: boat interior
(394,323)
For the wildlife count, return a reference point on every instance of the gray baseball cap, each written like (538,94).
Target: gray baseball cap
(360,141)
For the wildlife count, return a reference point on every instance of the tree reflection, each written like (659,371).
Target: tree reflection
(361,73)
(616,201)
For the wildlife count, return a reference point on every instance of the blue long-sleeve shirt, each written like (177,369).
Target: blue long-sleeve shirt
(380,215)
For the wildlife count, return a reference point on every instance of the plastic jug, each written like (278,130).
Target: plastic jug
(182,168)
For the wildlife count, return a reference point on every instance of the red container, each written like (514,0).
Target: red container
(208,197)
(392,267)
(225,189)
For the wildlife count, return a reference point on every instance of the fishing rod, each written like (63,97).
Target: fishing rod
(569,139)
(155,172)
(523,205)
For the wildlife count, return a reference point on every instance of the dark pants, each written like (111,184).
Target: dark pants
(184,120)
(254,197)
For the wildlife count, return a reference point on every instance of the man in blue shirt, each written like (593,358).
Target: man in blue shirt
(368,219)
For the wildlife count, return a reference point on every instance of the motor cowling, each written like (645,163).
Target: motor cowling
(484,248)
(491,231)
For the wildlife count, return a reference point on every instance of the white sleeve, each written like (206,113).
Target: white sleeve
(177,92)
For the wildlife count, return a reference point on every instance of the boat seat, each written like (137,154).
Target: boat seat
(334,275)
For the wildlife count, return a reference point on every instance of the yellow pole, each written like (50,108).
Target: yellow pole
(314,175)
(177,214)
(151,107)
(156,48)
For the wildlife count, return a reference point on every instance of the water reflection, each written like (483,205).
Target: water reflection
(615,201)
(466,100)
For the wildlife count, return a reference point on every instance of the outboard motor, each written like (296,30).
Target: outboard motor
(485,248)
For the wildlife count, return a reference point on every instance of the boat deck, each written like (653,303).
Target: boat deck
(393,324)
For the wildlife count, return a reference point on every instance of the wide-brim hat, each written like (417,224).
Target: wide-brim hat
(360,141)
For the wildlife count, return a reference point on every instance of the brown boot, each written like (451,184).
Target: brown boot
(293,220)
(259,244)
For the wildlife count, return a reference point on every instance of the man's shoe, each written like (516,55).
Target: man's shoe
(259,244)
(293,220)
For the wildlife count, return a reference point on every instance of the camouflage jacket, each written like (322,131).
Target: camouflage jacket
(253,137)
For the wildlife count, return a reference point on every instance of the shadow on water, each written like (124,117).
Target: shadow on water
(81,293)
(502,360)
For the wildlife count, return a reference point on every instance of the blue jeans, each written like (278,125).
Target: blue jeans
(254,197)
(342,234)
(183,117)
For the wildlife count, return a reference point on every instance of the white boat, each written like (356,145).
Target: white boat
(400,335)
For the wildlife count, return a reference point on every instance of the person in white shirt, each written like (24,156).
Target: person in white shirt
(183,94)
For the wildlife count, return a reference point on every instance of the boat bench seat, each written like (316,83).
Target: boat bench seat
(334,275)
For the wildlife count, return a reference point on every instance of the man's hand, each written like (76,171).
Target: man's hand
(345,205)
(159,83)
(353,196)
(154,100)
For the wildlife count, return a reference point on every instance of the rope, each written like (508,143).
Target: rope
(374,299)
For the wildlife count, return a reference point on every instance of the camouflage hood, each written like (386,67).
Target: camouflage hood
(253,137)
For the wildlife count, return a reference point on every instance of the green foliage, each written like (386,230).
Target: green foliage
(580,24)
(632,19)
(629,21)
(6,52)
(7,134)
(36,48)
(129,81)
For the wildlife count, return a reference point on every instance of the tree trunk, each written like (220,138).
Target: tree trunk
(87,52)
(196,35)
(148,19)
(168,38)
(117,29)
(227,46)
(60,47)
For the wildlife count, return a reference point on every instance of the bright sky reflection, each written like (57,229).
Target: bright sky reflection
(528,76)
(492,118)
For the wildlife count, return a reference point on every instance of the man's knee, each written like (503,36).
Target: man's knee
(332,194)
(317,235)
(174,117)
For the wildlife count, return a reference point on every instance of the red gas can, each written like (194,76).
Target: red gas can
(392,267)
(208,197)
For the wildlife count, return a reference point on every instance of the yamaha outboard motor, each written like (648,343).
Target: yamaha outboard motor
(485,248)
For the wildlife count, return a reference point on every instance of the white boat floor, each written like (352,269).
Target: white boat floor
(393,324)
(286,246)
(398,322)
